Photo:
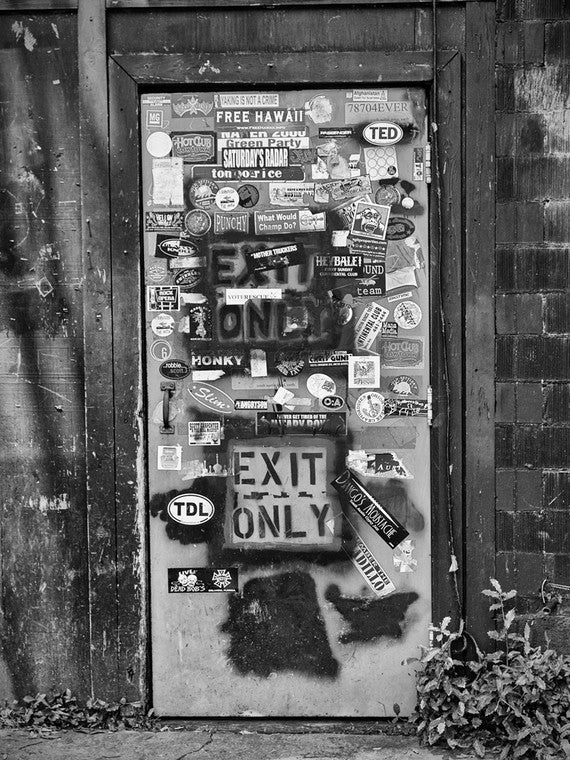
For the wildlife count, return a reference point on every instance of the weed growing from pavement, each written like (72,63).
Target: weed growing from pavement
(61,710)
(515,700)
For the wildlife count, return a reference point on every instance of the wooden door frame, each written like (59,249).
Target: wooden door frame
(132,74)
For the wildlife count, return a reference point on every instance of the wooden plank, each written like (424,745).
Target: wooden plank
(38,5)
(131,516)
(262,30)
(294,68)
(98,348)
(479,314)
(446,340)
(266,3)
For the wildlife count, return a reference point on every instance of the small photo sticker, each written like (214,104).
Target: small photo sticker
(363,371)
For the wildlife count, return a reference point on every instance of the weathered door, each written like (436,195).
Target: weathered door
(287,378)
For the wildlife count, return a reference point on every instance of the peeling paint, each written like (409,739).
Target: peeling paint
(207,66)
(45,504)
(22,31)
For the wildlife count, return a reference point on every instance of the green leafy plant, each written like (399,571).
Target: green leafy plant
(515,700)
(62,710)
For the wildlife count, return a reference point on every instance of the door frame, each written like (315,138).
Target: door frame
(129,76)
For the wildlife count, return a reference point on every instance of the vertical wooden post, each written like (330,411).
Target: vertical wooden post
(479,311)
(98,323)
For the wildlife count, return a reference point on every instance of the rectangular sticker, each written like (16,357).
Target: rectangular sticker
(167,182)
(402,353)
(224,359)
(364,372)
(353,492)
(290,194)
(370,569)
(260,117)
(300,423)
(391,110)
(194,147)
(278,498)
(204,433)
(163,220)
(263,383)
(275,258)
(218,173)
(288,222)
(202,580)
(328,358)
(163,298)
(197,324)
(169,458)
(247,100)
(238,221)
(370,220)
(342,189)
(250,404)
(241,295)
(369,324)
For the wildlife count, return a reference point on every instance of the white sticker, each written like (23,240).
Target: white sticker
(370,407)
(320,385)
(403,559)
(369,324)
(241,383)
(159,144)
(408,315)
(227,199)
(169,458)
(370,569)
(282,396)
(363,371)
(258,362)
(168,182)
(241,295)
(163,325)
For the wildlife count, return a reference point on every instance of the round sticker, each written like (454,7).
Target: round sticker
(156,273)
(370,407)
(191,509)
(159,144)
(248,195)
(227,199)
(163,325)
(320,385)
(408,315)
(342,312)
(202,193)
(403,385)
(399,228)
(197,222)
(161,350)
(289,364)
(387,195)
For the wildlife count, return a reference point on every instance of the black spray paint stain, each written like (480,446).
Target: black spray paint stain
(370,619)
(277,626)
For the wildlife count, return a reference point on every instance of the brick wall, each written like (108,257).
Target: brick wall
(532,298)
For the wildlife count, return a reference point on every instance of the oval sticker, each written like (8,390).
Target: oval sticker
(188,277)
(212,398)
(174,369)
(332,402)
(399,228)
(383,133)
(191,509)
(169,247)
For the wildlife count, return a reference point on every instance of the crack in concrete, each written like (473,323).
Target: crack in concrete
(209,740)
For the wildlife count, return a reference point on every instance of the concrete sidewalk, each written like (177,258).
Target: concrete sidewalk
(212,743)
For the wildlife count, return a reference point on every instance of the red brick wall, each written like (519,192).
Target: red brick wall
(532,299)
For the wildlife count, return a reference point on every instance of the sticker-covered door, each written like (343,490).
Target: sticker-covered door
(287,370)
